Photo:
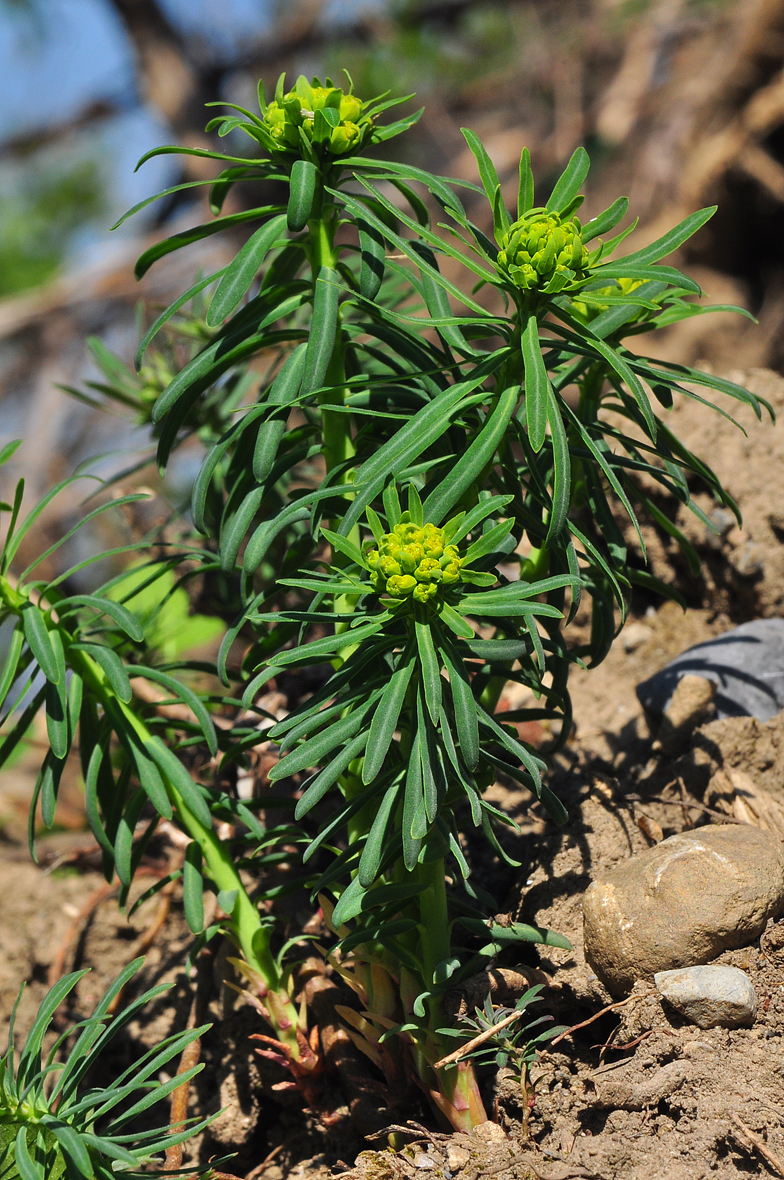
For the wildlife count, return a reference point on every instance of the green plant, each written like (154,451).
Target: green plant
(403,500)
(495,1036)
(54,1124)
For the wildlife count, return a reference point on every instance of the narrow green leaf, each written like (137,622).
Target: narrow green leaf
(405,246)
(488,542)
(570,181)
(356,900)
(471,466)
(487,172)
(330,644)
(463,704)
(311,752)
(625,269)
(193,888)
(327,777)
(430,666)
(239,275)
(525,190)
(304,177)
(454,621)
(9,450)
(537,385)
(196,234)
(37,635)
(27,1169)
(346,547)
(112,666)
(501,219)
(414,437)
(372,253)
(181,692)
(606,220)
(92,809)
(437,301)
(232,535)
(147,769)
(8,546)
(180,779)
(413,804)
(284,391)
(562,468)
(171,310)
(71,1145)
(243,336)
(115,610)
(386,717)
(268,530)
(323,329)
(57,702)
(670,241)
(437,185)
(9,670)
(48,785)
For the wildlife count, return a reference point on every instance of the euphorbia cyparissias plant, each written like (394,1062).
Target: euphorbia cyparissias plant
(409,503)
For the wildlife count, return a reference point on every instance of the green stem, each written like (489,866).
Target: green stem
(244,926)
(454,1090)
(434,918)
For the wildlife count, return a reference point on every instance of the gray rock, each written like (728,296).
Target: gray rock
(747,665)
(682,902)
(710,996)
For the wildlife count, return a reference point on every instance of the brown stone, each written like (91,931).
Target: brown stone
(682,903)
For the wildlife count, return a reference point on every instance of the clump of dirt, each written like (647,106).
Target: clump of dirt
(641,1094)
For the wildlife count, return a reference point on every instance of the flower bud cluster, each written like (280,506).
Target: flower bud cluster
(541,245)
(297,109)
(413,561)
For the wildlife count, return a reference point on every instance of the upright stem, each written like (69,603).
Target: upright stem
(245,924)
(434,918)
(454,1091)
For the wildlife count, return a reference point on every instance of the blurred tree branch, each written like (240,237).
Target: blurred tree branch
(168,77)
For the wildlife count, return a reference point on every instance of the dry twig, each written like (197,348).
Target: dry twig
(602,1012)
(480,1040)
(756,1142)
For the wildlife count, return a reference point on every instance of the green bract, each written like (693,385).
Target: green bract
(398,500)
(541,251)
(413,561)
(324,115)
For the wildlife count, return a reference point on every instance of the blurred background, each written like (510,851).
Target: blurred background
(680,103)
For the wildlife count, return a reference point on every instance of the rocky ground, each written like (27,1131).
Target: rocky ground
(637,1091)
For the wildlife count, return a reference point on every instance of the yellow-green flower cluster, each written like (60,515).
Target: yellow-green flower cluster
(539,246)
(413,561)
(298,108)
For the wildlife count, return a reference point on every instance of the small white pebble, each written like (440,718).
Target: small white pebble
(457,1157)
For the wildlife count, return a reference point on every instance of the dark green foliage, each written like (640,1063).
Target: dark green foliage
(401,497)
(54,1124)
